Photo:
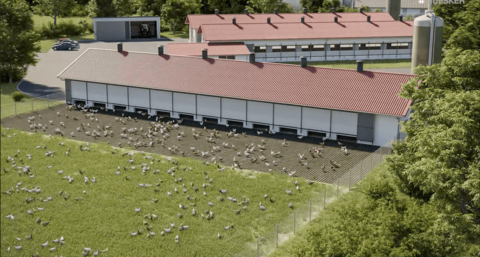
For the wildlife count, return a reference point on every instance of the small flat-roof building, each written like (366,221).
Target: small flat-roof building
(318,36)
(125,28)
(233,51)
(331,103)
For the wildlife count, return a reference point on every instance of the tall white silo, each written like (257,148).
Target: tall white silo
(427,39)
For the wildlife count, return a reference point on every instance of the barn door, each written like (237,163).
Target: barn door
(365,127)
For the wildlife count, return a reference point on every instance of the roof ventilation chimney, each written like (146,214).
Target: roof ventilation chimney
(234,21)
(160,50)
(368,18)
(359,65)
(305,10)
(120,47)
(252,57)
(333,10)
(302,20)
(268,20)
(275,11)
(303,61)
(246,11)
(216,11)
(400,18)
(361,10)
(335,19)
(204,53)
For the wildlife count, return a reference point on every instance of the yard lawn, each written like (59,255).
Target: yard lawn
(40,20)
(8,105)
(105,215)
(169,34)
(367,64)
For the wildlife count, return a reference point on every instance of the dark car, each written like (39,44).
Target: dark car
(64,46)
(67,40)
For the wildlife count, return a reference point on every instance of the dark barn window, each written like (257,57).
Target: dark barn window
(235,123)
(316,134)
(288,131)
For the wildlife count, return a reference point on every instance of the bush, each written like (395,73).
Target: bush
(79,11)
(63,29)
(17,96)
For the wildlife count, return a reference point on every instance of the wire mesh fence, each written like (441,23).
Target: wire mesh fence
(31,104)
(270,239)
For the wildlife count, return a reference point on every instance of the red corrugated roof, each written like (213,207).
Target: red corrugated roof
(196,20)
(339,89)
(264,31)
(195,49)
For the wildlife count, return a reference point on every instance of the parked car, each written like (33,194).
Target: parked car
(64,46)
(67,40)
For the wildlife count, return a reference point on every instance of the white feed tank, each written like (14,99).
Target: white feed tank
(427,42)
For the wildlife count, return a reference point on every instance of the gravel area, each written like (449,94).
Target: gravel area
(289,159)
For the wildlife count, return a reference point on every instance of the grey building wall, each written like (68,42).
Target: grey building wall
(110,30)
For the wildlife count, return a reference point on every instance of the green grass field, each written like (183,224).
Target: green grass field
(8,105)
(367,64)
(105,215)
(169,34)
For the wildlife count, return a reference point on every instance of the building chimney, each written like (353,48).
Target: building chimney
(268,20)
(160,50)
(335,19)
(303,61)
(252,57)
(302,20)
(361,10)
(204,53)
(246,11)
(234,21)
(305,10)
(359,65)
(333,10)
(400,18)
(120,47)
(368,18)
(275,11)
(216,11)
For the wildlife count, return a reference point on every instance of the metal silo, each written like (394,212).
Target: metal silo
(427,39)
(393,8)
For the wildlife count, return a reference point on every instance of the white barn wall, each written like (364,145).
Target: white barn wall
(287,115)
(161,100)
(344,122)
(385,129)
(138,97)
(79,90)
(183,103)
(208,106)
(316,119)
(96,93)
(259,112)
(234,109)
(117,95)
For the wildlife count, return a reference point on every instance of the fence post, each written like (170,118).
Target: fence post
(277,234)
(15,108)
(32,104)
(257,246)
(361,169)
(324,197)
(310,202)
(338,181)
(350,180)
(48,100)
(294,222)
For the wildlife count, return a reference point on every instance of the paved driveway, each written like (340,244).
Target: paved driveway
(42,78)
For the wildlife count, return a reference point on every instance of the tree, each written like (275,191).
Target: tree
(268,6)
(123,7)
(174,12)
(18,39)
(467,34)
(53,8)
(311,5)
(229,6)
(148,7)
(449,14)
(101,8)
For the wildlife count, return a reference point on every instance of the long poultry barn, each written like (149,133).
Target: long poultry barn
(336,104)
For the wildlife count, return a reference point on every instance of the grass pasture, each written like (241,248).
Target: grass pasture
(105,215)
(25,106)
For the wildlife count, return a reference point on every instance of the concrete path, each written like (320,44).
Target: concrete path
(42,80)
